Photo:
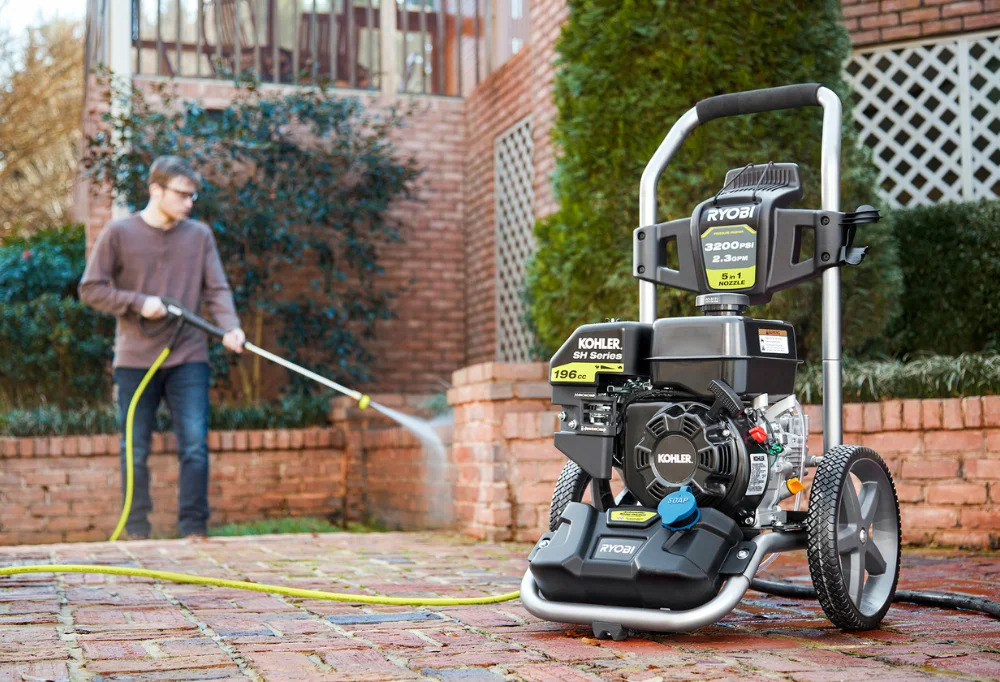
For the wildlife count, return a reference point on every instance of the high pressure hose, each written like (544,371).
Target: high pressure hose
(939,599)
(951,601)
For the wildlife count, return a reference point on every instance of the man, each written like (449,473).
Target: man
(151,254)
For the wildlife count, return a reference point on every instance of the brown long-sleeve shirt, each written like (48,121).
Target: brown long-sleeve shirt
(132,260)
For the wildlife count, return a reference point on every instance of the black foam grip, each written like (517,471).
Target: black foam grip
(756,101)
(193,320)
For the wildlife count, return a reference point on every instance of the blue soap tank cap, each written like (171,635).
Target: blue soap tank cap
(678,510)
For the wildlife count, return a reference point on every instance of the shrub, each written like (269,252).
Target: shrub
(50,261)
(289,413)
(950,258)
(969,374)
(56,351)
(626,72)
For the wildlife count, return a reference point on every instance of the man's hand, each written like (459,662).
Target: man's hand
(153,308)
(234,340)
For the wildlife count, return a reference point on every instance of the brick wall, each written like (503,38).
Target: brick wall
(887,21)
(496,105)
(547,18)
(97,210)
(944,456)
(419,350)
(945,460)
(68,488)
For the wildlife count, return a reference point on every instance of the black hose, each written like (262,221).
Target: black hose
(948,601)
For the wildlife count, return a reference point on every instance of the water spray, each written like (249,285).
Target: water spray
(421,428)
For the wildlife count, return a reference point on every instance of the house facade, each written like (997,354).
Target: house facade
(924,73)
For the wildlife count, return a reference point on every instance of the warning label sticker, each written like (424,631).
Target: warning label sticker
(730,253)
(773,341)
(632,515)
(758,474)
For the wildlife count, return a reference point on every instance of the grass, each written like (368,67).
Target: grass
(293,525)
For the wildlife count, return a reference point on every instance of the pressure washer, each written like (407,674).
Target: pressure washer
(696,415)
(698,418)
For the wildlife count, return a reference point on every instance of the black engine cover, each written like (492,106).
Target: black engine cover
(593,559)
(668,445)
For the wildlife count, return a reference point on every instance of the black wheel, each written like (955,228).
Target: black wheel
(854,537)
(570,487)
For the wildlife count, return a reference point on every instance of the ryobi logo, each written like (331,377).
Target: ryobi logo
(731,213)
(670,458)
(600,343)
(616,549)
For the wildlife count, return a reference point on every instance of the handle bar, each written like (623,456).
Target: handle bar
(758,101)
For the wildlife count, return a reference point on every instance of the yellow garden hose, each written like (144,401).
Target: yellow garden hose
(129,419)
(256,587)
(221,582)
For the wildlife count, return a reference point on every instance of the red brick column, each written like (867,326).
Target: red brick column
(486,505)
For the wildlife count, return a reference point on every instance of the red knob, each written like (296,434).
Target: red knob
(758,434)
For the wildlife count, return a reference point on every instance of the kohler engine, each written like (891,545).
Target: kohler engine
(740,451)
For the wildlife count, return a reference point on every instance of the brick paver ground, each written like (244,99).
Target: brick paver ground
(103,628)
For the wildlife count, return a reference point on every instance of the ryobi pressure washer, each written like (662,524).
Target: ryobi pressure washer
(698,416)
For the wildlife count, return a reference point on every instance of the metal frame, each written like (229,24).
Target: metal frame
(660,620)
(830,188)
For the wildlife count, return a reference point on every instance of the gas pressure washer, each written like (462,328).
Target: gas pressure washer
(664,403)
(698,416)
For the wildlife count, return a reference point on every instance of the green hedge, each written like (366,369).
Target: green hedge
(970,374)
(292,412)
(950,257)
(626,72)
(57,351)
(50,261)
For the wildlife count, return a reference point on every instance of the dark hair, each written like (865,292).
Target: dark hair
(166,168)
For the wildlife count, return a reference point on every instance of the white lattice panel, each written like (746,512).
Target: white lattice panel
(928,113)
(513,172)
(984,119)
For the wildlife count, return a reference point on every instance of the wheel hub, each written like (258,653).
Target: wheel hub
(864,536)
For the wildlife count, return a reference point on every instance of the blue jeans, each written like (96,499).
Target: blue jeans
(185,388)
